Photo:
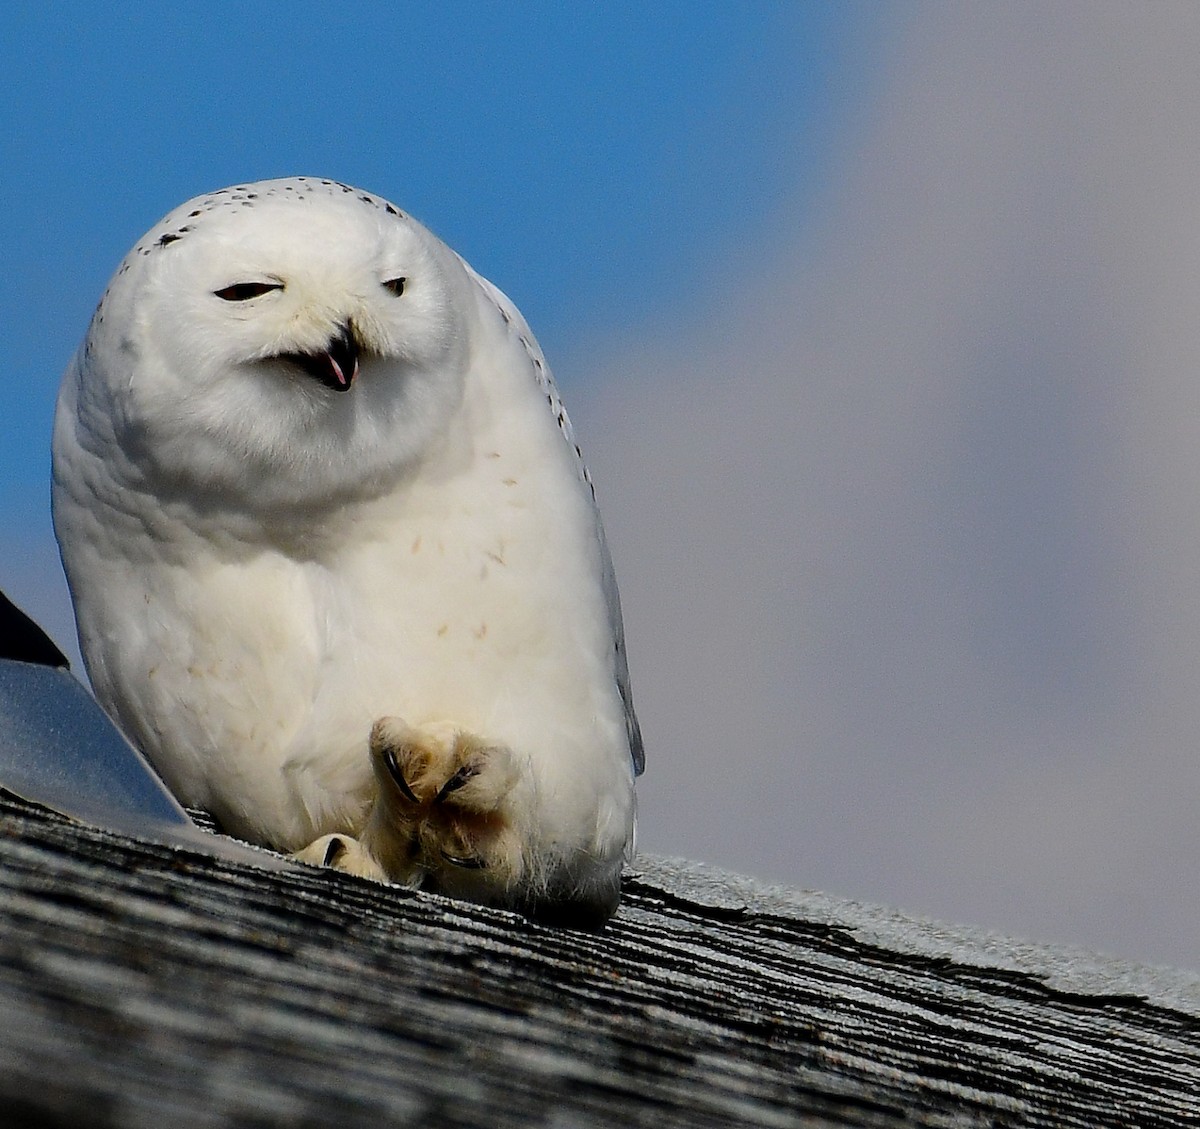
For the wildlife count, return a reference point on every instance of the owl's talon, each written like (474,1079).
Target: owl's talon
(465,862)
(334,851)
(389,760)
(455,782)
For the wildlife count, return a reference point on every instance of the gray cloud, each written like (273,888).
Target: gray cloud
(906,516)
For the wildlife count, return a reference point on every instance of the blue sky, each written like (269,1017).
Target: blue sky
(579,155)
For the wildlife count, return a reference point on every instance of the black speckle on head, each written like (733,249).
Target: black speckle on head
(390,210)
(193,215)
(170,237)
(366,199)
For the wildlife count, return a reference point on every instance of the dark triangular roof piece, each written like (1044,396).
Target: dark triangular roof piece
(24,640)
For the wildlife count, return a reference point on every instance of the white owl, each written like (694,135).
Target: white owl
(335,558)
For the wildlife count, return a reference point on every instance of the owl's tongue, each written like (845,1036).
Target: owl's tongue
(336,367)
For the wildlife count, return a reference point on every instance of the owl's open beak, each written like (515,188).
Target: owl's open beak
(336,366)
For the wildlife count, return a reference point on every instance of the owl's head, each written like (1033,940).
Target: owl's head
(280,341)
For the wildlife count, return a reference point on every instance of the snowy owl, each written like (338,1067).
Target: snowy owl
(335,558)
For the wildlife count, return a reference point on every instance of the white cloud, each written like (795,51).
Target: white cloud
(907,518)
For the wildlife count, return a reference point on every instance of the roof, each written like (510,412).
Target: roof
(145,984)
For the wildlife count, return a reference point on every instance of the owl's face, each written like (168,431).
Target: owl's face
(284,340)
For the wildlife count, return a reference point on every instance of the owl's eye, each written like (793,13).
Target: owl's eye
(244,291)
(396,285)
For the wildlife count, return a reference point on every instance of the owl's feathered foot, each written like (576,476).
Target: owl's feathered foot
(448,814)
(342,852)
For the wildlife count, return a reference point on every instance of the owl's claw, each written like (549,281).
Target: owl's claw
(334,851)
(389,760)
(455,782)
(464,862)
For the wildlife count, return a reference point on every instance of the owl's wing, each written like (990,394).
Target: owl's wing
(613,598)
(540,372)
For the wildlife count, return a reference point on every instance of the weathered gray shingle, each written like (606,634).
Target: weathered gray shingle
(143,985)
